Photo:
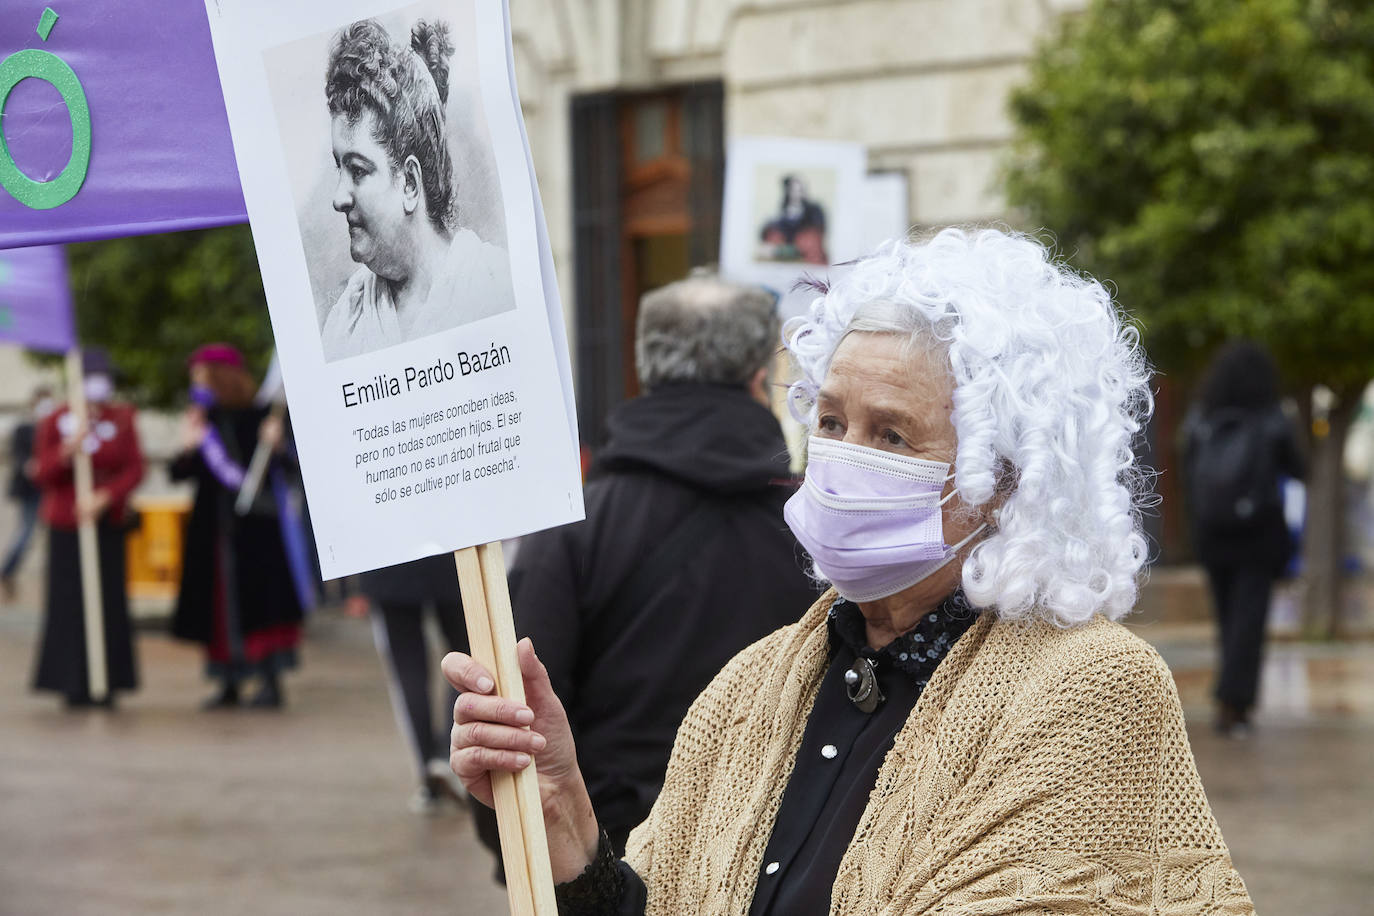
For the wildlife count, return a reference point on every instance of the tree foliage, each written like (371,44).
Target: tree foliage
(151,300)
(1215,160)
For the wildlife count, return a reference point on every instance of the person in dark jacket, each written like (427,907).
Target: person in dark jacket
(1237,445)
(398,598)
(22,489)
(684,557)
(239,597)
(108,435)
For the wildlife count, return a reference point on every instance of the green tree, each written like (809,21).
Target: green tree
(151,300)
(1215,160)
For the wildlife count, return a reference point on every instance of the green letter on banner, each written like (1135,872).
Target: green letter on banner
(44,65)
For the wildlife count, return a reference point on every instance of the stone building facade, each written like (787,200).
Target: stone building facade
(923,84)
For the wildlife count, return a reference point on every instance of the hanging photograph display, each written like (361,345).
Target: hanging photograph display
(792,207)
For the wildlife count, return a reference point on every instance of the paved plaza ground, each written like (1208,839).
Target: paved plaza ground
(160,808)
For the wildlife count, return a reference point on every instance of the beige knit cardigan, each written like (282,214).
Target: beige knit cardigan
(1043,771)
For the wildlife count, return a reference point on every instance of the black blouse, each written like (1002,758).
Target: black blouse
(837,766)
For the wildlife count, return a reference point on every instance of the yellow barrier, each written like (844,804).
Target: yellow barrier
(154,549)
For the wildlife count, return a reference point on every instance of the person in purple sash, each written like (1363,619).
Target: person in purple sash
(240,596)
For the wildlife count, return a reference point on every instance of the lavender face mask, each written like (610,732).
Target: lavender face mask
(870,519)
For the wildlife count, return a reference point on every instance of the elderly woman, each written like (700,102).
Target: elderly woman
(419,273)
(959,725)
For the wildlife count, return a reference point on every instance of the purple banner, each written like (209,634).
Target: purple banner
(113,122)
(36,299)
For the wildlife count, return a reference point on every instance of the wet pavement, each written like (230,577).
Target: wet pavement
(160,808)
(1295,800)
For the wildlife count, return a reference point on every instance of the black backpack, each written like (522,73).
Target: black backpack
(1232,469)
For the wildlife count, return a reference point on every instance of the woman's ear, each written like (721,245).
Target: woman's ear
(412,184)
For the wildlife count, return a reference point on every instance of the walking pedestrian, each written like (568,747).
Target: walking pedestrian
(1237,445)
(238,595)
(109,437)
(398,598)
(23,491)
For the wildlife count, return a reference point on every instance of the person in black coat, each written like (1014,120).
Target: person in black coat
(398,597)
(684,557)
(1238,444)
(22,489)
(239,596)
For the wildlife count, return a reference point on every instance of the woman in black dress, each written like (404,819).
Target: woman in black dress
(238,596)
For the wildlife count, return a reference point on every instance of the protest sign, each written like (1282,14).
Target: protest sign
(399,236)
(886,212)
(114,122)
(399,233)
(792,206)
(36,299)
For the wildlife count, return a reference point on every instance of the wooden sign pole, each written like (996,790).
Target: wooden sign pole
(519,813)
(88,547)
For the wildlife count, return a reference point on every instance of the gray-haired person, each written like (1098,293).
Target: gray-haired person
(684,558)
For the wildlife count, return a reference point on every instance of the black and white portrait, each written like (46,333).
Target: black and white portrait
(395,184)
(791,209)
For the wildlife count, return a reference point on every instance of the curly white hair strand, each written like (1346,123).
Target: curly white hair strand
(1051,388)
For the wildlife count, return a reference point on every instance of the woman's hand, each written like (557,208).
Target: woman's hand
(192,429)
(90,510)
(493,734)
(271,432)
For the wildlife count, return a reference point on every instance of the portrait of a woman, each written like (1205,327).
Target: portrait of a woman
(419,270)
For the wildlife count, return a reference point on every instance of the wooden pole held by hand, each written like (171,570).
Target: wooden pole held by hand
(88,547)
(519,812)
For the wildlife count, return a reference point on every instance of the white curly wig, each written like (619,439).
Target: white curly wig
(1050,391)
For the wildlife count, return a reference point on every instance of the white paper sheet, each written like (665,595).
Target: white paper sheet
(428,420)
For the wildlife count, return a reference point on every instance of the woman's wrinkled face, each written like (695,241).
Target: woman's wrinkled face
(370,194)
(881,394)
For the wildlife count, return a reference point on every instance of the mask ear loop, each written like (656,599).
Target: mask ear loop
(952,493)
(954,551)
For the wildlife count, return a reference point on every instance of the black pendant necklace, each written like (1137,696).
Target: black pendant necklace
(861,683)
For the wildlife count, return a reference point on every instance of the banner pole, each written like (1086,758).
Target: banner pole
(87,545)
(484,637)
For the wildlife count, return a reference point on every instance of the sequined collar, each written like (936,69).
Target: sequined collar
(916,651)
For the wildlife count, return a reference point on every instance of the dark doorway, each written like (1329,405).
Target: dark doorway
(648,175)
